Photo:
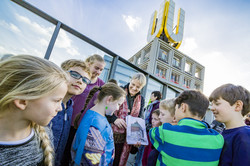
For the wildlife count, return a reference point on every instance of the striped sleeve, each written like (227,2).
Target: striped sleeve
(156,136)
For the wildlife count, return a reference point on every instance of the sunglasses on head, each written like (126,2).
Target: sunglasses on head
(77,76)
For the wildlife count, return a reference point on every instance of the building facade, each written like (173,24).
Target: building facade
(170,65)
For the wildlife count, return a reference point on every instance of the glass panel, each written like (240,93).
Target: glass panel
(188,67)
(108,60)
(171,93)
(68,46)
(124,73)
(146,56)
(176,62)
(22,32)
(175,78)
(198,73)
(163,55)
(197,86)
(162,73)
(187,83)
(152,86)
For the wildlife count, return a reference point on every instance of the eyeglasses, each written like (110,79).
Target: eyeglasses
(77,76)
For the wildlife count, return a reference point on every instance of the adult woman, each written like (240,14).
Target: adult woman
(133,105)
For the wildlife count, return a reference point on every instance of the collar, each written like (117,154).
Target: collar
(192,123)
(68,104)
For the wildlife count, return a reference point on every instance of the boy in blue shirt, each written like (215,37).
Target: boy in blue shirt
(229,104)
(79,78)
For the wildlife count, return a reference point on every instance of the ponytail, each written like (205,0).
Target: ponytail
(91,94)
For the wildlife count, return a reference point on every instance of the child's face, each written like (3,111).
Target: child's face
(222,110)
(165,116)
(155,120)
(114,105)
(42,110)
(76,86)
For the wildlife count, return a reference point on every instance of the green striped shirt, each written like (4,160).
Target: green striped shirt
(190,142)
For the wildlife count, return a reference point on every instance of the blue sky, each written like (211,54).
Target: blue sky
(216,32)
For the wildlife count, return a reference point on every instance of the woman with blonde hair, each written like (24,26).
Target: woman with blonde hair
(31,92)
(133,105)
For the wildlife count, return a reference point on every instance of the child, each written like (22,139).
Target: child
(155,123)
(154,103)
(93,143)
(229,104)
(31,92)
(96,64)
(167,111)
(190,142)
(79,78)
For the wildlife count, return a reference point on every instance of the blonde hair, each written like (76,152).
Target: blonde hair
(168,104)
(27,77)
(90,60)
(108,89)
(141,77)
(66,65)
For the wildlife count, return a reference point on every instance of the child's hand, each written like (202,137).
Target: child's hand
(120,123)
(138,144)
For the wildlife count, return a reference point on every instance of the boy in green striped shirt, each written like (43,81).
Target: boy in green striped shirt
(190,142)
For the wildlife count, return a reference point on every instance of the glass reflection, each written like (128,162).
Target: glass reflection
(171,93)
(152,86)
(123,73)
(68,46)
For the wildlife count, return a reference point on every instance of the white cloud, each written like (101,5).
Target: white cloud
(132,22)
(35,27)
(188,45)
(45,33)
(63,41)
(10,26)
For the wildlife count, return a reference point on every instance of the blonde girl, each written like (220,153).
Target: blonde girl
(93,143)
(31,92)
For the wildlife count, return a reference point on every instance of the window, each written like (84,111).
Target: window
(171,93)
(69,46)
(188,67)
(146,54)
(177,62)
(163,55)
(123,73)
(187,83)
(152,86)
(139,61)
(198,72)
(175,78)
(108,60)
(197,86)
(160,72)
